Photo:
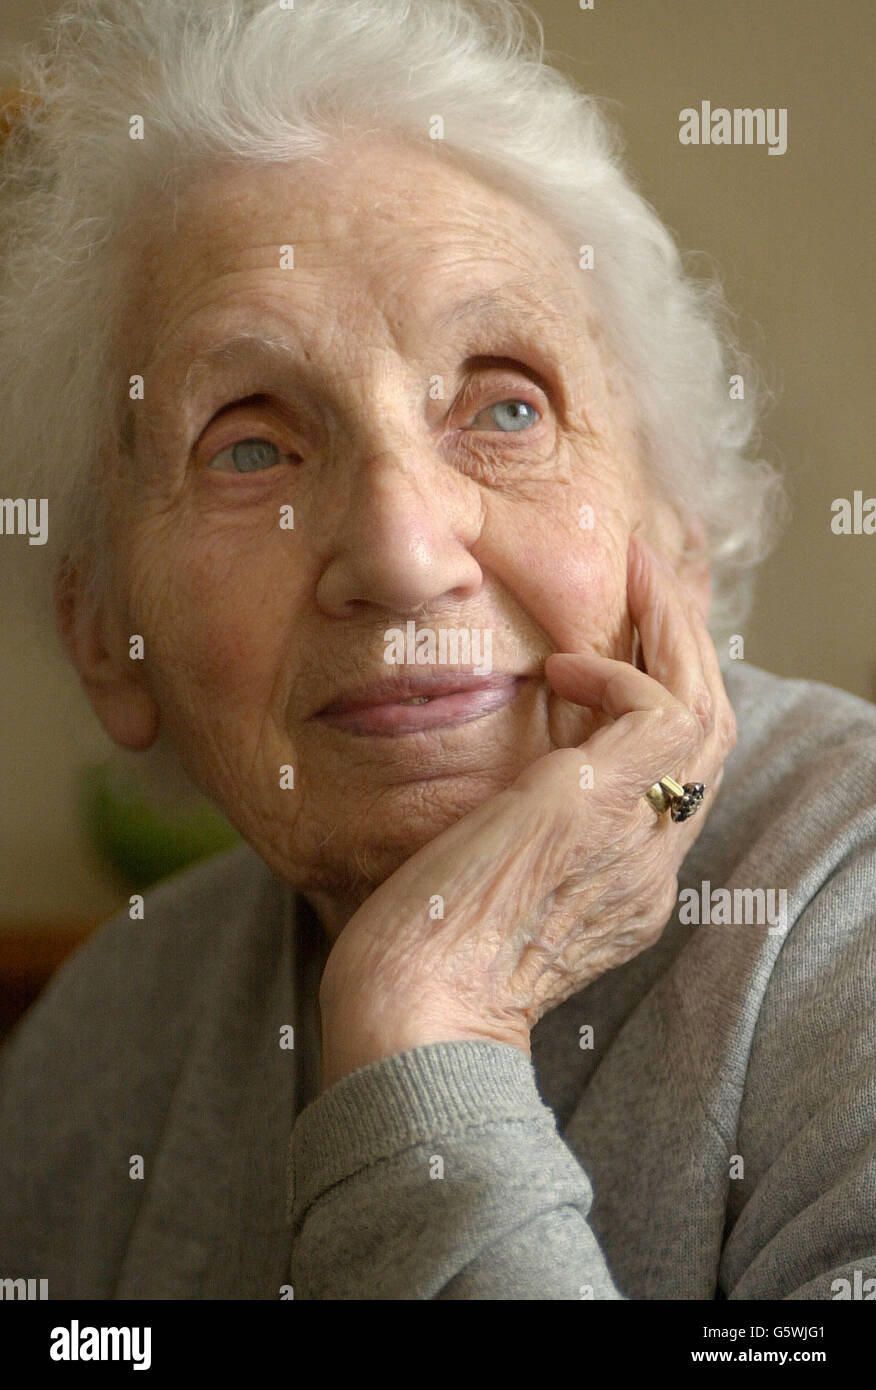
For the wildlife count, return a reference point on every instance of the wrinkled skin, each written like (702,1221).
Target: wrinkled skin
(553,881)
(407,504)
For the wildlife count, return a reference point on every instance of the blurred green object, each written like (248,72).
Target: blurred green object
(143,837)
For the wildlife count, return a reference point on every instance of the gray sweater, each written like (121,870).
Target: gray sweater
(716,1140)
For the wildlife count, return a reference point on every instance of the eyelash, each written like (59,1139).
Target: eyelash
(514,395)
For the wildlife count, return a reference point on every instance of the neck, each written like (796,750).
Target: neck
(333,911)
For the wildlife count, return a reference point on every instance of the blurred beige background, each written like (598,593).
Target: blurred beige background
(791,236)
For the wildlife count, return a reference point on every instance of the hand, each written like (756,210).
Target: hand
(546,885)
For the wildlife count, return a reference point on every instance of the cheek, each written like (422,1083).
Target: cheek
(570,579)
(573,584)
(216,627)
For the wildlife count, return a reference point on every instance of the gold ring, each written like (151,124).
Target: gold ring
(680,801)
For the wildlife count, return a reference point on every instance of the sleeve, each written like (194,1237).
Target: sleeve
(439,1173)
(805,1211)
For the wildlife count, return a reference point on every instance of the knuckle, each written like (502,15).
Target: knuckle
(703,707)
(686,725)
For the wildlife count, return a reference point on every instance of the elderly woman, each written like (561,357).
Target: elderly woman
(391,465)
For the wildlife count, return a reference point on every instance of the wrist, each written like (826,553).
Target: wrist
(348,1044)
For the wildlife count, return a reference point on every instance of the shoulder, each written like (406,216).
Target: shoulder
(780,719)
(795,818)
(791,842)
(802,815)
(89,1077)
(799,789)
(134,976)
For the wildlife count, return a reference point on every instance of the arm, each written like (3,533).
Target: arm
(426,1022)
(439,1173)
(805,1213)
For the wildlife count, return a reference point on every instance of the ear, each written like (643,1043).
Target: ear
(99,648)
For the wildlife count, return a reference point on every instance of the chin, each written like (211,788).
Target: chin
(363,850)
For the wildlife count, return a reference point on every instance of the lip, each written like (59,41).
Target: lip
(454,698)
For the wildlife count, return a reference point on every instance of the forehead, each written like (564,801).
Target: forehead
(365,186)
(515,312)
(388,219)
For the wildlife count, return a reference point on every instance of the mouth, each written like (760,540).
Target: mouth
(415,704)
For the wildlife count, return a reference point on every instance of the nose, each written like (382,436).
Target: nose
(403,540)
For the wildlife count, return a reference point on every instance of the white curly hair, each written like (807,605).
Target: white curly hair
(264,82)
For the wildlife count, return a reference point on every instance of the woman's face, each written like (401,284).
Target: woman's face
(415,312)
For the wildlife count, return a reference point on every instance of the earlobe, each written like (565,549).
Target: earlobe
(114,682)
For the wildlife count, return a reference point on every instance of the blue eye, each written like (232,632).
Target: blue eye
(249,456)
(514,414)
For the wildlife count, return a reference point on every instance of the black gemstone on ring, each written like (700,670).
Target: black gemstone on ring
(684,806)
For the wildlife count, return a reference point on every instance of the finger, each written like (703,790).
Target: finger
(723,732)
(601,682)
(652,731)
(710,701)
(681,664)
(660,608)
(671,649)
(677,650)
(723,716)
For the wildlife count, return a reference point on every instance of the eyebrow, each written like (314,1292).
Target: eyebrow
(273,350)
(528,308)
(495,307)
